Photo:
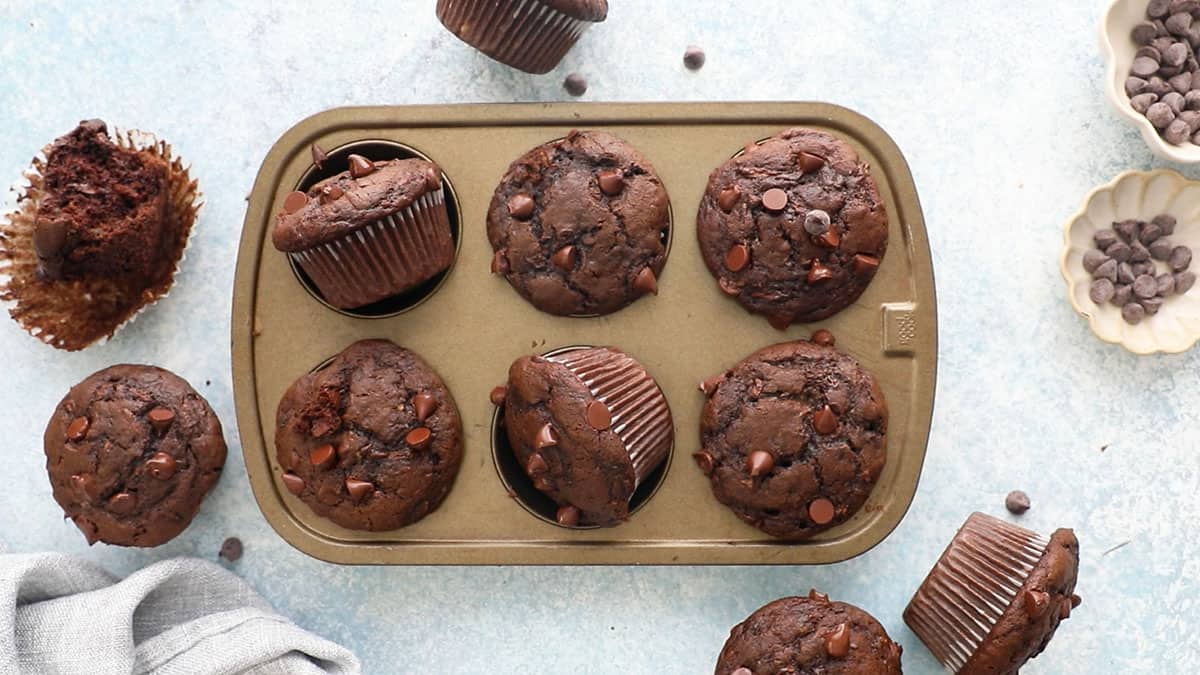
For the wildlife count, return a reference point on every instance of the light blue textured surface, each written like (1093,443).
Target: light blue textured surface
(999,109)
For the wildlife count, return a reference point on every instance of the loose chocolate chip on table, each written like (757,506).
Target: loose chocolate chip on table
(1160,115)
(693,58)
(1142,102)
(1152,305)
(821,511)
(775,199)
(1101,291)
(760,462)
(1104,238)
(1017,502)
(575,84)
(1108,270)
(567,515)
(360,166)
(1184,282)
(520,206)
(1133,313)
(1119,251)
(1180,258)
(1123,295)
(1144,33)
(1125,274)
(419,438)
(231,548)
(816,222)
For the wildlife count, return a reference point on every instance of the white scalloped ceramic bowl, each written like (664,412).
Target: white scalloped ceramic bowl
(1118,49)
(1141,195)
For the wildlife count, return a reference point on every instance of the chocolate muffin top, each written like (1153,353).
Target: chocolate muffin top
(584,10)
(580,225)
(793,438)
(372,441)
(131,452)
(794,227)
(1026,627)
(351,200)
(103,210)
(809,635)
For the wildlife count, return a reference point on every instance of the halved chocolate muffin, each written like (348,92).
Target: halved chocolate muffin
(530,35)
(996,596)
(588,425)
(368,233)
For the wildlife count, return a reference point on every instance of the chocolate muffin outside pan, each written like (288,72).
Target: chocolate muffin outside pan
(530,35)
(371,441)
(996,596)
(588,425)
(580,225)
(793,438)
(131,452)
(794,227)
(809,635)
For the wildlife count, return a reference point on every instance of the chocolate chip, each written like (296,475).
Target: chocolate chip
(1144,67)
(498,394)
(294,202)
(294,483)
(161,465)
(737,257)
(359,489)
(122,503)
(1145,286)
(1133,313)
(1151,51)
(1126,230)
(823,338)
(599,416)
(709,386)
(1143,33)
(646,282)
(1167,222)
(810,162)
(1176,132)
(775,199)
(231,548)
(500,262)
(1093,259)
(760,462)
(324,457)
(1160,249)
(546,437)
(813,594)
(1101,291)
(1076,600)
(821,511)
(1017,502)
(1184,282)
(1149,232)
(1138,252)
(419,438)
(575,84)
(1125,273)
(1119,251)
(611,182)
(1178,23)
(1105,238)
(78,429)
(424,405)
(49,238)
(1182,84)
(837,643)
(1160,115)
(567,515)
(520,206)
(360,166)
(1166,284)
(1158,9)
(331,193)
(1152,305)
(865,263)
(818,272)
(1107,270)
(830,239)
(536,465)
(728,198)
(1142,102)
(825,421)
(318,156)
(1123,295)
(1036,602)
(161,418)
(1180,258)
(704,461)
(1064,609)
(565,258)
(1176,54)
(693,58)
(84,484)
(816,222)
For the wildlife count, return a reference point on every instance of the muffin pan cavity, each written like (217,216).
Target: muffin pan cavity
(336,162)
(472,329)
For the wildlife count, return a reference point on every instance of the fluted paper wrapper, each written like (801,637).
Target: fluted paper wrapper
(977,578)
(640,415)
(387,257)
(72,314)
(524,34)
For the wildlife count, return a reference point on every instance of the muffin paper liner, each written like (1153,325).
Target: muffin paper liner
(640,415)
(384,258)
(974,582)
(74,314)
(524,34)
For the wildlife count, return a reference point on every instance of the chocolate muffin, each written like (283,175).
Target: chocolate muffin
(793,438)
(809,635)
(131,452)
(580,225)
(368,233)
(996,596)
(588,424)
(793,227)
(371,441)
(530,35)
(97,236)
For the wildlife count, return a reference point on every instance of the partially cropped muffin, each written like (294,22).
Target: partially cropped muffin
(371,441)
(580,225)
(371,232)
(131,452)
(794,437)
(996,596)
(530,35)
(99,235)
(794,227)
(809,635)
(588,425)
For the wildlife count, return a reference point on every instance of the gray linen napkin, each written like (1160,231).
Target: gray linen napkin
(63,614)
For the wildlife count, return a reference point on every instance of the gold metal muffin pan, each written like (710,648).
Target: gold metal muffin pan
(471,325)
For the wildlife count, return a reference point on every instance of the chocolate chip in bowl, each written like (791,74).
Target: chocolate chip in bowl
(1126,260)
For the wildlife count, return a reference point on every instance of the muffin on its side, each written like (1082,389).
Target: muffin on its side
(131,452)
(530,35)
(589,425)
(371,441)
(996,596)
(794,437)
(368,233)
(580,225)
(794,227)
(809,635)
(98,235)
